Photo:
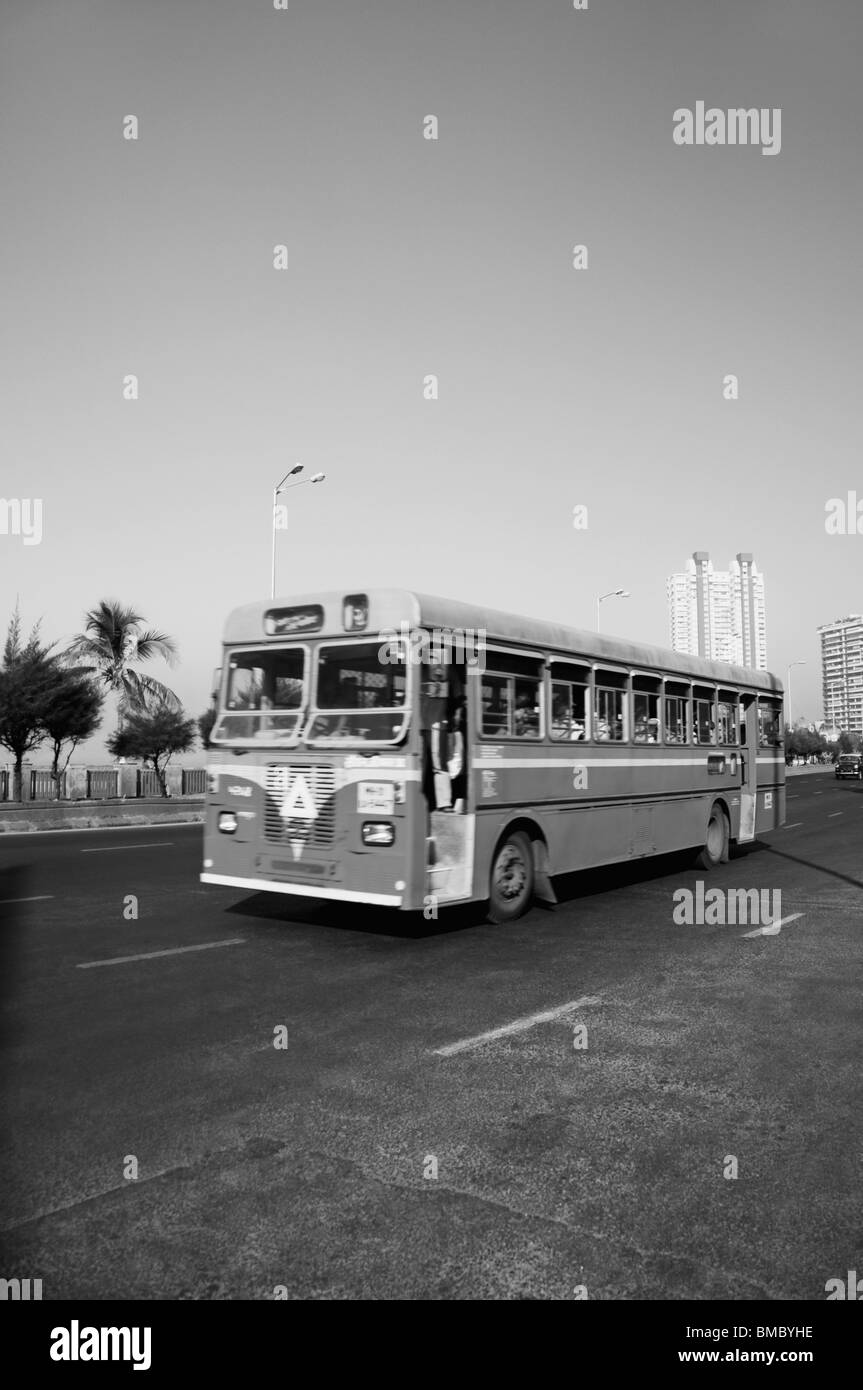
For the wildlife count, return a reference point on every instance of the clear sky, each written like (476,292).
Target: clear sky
(409,256)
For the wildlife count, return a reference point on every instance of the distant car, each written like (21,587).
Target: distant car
(850,765)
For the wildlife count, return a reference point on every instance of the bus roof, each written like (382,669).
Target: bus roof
(389,608)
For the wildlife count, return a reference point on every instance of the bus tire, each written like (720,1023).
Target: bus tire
(511,879)
(716,843)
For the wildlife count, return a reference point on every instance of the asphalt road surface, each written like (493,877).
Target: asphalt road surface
(408,1142)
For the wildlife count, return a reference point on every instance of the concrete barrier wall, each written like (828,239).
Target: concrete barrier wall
(82,815)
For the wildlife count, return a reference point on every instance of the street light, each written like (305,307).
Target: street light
(614,593)
(315,478)
(788,691)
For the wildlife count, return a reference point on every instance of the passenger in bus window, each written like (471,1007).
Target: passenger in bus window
(494,714)
(561,712)
(526,715)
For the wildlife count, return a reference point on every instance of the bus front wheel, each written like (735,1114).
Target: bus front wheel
(715,848)
(512,878)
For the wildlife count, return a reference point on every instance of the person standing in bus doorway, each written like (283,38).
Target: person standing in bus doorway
(457,760)
(435,700)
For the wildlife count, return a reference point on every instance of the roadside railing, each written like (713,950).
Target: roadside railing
(124,782)
(44,788)
(102,784)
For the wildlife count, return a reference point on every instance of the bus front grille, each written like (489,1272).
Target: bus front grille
(300,804)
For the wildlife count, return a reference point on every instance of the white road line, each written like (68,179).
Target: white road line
(520,1025)
(112,849)
(151,955)
(43,897)
(793,796)
(831,814)
(793,826)
(774,928)
(817,793)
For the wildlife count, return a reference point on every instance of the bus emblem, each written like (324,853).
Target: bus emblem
(299,803)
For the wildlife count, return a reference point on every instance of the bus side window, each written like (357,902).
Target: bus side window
(511,696)
(676,711)
(727,717)
(645,707)
(769,724)
(496,705)
(610,696)
(704,723)
(570,691)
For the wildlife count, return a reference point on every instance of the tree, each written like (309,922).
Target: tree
(74,714)
(205,725)
(154,734)
(109,648)
(28,676)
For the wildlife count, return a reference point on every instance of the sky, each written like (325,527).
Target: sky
(558,387)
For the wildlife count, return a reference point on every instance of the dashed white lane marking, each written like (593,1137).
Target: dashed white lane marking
(831,814)
(151,955)
(774,928)
(41,898)
(112,849)
(817,793)
(793,826)
(793,796)
(520,1025)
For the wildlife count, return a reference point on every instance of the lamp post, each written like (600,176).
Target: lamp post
(613,593)
(788,692)
(316,478)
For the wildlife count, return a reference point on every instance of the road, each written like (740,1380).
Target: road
(390,1150)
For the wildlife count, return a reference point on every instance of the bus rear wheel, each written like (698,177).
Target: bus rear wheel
(715,848)
(512,878)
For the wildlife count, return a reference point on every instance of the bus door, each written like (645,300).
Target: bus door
(748,767)
(450,830)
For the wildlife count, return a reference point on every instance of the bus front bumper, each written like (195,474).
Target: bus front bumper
(304,890)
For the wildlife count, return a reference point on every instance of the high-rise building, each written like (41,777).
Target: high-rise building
(842,672)
(719,613)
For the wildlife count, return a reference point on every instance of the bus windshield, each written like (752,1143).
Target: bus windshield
(359,696)
(265,694)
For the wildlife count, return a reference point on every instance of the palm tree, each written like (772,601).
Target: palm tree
(109,648)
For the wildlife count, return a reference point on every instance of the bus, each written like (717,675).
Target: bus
(393,748)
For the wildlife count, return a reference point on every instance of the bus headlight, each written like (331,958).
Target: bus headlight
(378,832)
(212,783)
(227,822)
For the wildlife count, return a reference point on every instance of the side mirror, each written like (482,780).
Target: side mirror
(216,684)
